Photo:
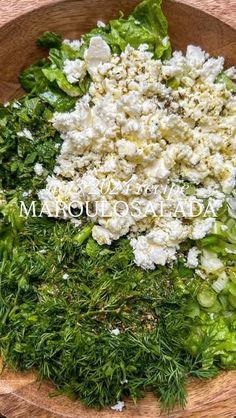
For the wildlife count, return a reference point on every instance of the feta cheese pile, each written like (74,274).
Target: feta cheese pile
(132,137)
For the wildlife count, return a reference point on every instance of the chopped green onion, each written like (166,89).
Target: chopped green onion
(193,310)
(232,301)
(231,231)
(83,235)
(220,283)
(206,298)
(232,289)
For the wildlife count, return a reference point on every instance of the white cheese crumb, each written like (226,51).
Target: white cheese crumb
(118,407)
(192,258)
(97,53)
(115,331)
(131,129)
(201,228)
(76,44)
(38,169)
(65,276)
(231,73)
(124,381)
(25,133)
(100,24)
(26,194)
(74,70)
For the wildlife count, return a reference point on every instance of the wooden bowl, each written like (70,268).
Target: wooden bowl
(20,395)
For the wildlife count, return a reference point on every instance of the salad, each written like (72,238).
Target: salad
(118,208)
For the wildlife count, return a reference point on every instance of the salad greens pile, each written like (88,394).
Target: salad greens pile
(62,295)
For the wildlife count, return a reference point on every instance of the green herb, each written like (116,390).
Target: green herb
(19,152)
(59,305)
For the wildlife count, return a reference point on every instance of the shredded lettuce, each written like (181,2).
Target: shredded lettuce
(33,79)
(146,25)
(151,17)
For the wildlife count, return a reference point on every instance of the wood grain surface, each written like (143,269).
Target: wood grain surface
(223,9)
(20,394)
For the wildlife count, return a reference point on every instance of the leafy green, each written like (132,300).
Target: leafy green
(62,294)
(19,152)
(50,40)
(59,100)
(60,301)
(219,332)
(55,74)
(32,79)
(150,16)
(146,25)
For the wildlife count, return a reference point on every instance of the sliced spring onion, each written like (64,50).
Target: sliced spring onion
(216,308)
(193,310)
(217,229)
(232,275)
(232,289)
(223,300)
(232,301)
(83,235)
(220,283)
(231,231)
(206,298)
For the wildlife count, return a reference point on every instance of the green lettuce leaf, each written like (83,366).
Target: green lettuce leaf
(32,79)
(151,17)
(49,40)
(146,25)
(59,100)
(55,74)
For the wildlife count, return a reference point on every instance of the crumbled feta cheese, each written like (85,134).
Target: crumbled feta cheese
(26,194)
(212,68)
(201,228)
(118,407)
(100,24)
(231,73)
(132,133)
(160,245)
(74,70)
(101,235)
(115,331)
(124,381)
(38,169)
(192,259)
(25,134)
(65,276)
(75,44)
(16,105)
(97,53)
